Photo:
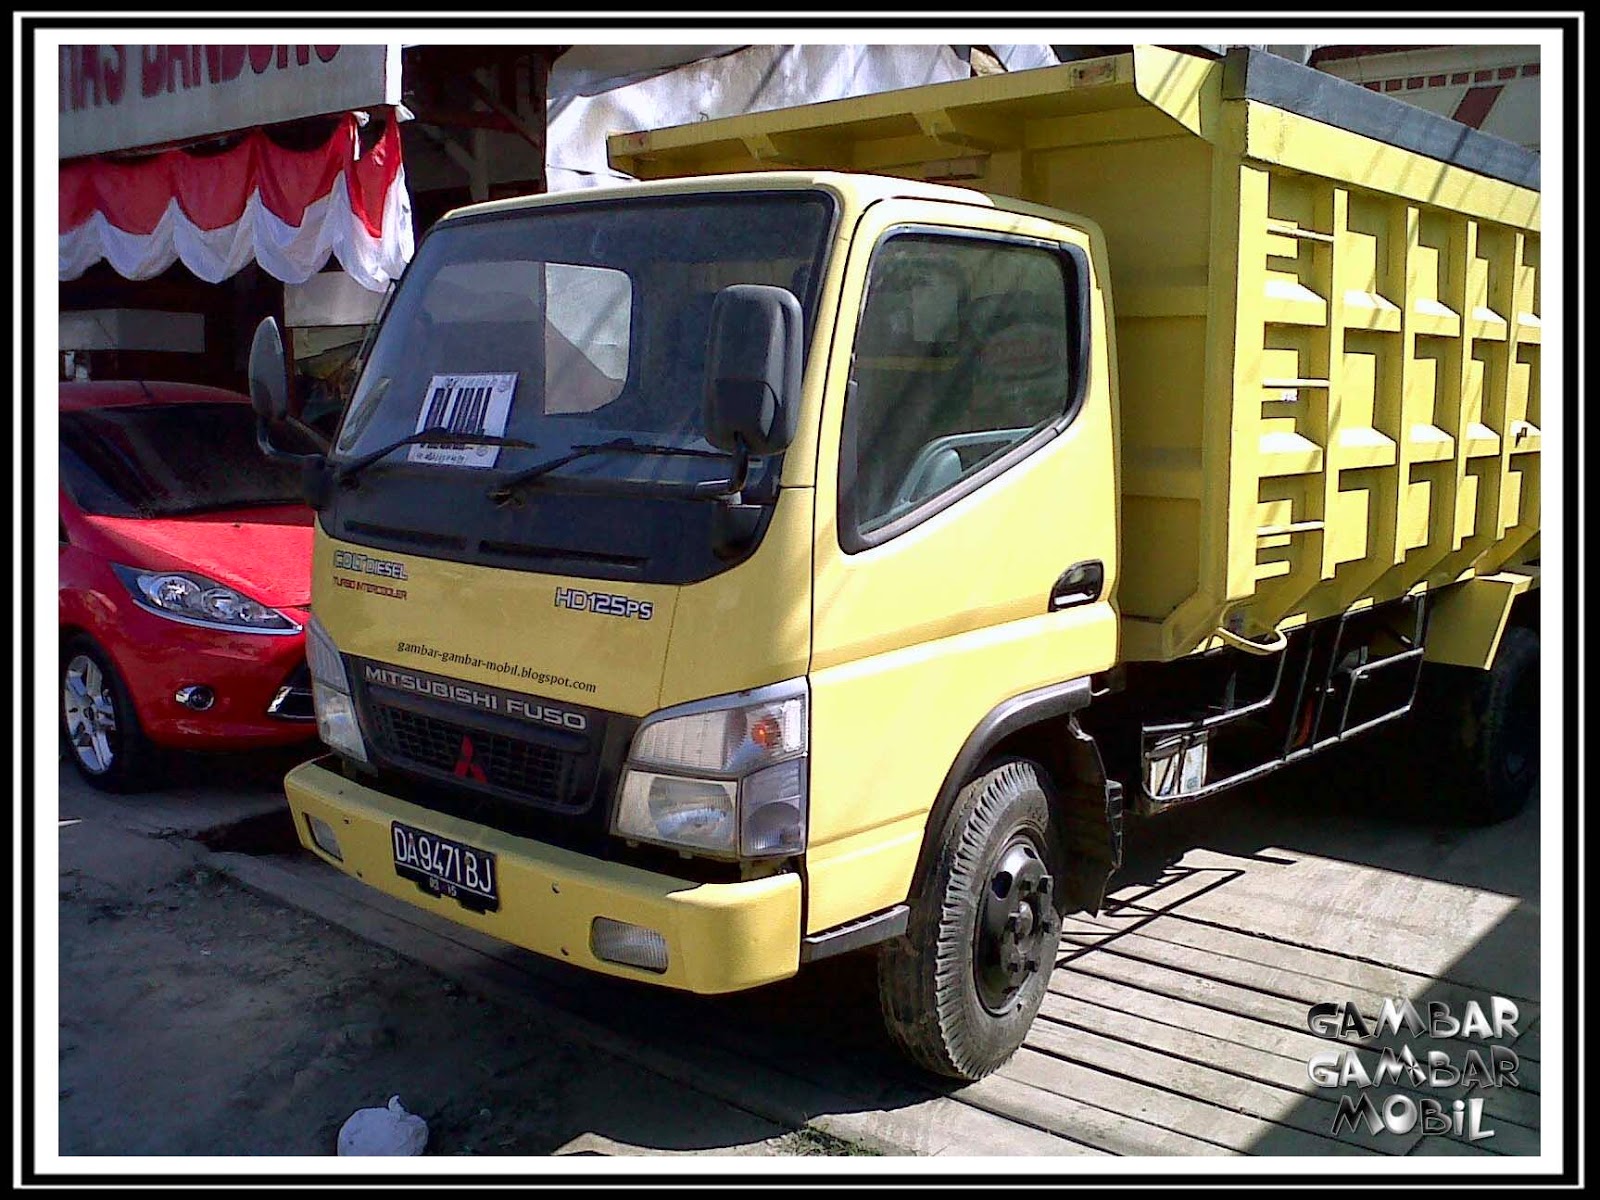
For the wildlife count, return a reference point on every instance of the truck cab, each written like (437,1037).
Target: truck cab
(600,688)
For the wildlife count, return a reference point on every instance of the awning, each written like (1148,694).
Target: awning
(287,209)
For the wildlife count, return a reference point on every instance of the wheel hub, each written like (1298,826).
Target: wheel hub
(1013,924)
(90,712)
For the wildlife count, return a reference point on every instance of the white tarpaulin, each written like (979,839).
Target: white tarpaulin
(752,79)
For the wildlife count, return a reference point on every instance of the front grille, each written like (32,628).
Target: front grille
(544,774)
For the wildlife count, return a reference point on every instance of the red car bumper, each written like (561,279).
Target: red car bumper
(262,690)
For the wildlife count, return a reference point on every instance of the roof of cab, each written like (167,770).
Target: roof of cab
(858,190)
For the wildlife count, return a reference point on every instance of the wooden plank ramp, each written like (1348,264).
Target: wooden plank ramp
(1170,1011)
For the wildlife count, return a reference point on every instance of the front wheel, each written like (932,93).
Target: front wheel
(98,724)
(960,988)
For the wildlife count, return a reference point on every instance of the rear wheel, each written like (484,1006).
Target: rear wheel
(961,987)
(1489,731)
(1503,729)
(99,727)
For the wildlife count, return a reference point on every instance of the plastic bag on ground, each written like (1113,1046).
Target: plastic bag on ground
(383,1131)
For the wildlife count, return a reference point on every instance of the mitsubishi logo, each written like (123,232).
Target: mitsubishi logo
(465,767)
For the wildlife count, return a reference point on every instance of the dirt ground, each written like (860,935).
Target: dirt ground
(199,1018)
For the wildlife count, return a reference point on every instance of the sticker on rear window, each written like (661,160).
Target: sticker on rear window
(464,404)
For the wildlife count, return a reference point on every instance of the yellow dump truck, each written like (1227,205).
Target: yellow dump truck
(818,544)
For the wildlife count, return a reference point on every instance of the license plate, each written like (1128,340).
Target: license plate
(442,866)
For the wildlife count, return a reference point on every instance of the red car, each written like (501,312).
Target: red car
(185,580)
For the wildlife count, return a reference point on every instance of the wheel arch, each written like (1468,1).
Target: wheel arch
(1042,726)
(74,632)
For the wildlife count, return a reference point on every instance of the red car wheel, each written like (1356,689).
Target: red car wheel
(98,724)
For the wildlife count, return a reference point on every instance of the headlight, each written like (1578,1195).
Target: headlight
(337,724)
(195,600)
(725,777)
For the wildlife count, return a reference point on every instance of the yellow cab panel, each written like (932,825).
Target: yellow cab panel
(976,419)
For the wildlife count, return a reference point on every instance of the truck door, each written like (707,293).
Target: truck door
(966,524)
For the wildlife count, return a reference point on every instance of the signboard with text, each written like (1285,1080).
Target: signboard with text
(125,97)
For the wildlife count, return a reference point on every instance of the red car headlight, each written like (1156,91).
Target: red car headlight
(195,600)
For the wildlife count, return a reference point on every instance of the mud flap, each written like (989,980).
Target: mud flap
(1093,824)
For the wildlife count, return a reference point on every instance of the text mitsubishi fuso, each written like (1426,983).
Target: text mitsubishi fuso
(817,546)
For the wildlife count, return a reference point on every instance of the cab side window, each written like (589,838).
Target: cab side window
(966,348)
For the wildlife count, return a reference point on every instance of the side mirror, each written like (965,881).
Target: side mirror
(269,376)
(269,397)
(753,368)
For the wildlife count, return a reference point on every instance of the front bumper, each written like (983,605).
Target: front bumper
(720,937)
(246,671)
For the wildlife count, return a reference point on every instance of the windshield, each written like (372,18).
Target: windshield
(564,327)
(162,460)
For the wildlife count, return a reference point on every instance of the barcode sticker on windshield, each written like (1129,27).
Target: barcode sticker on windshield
(464,404)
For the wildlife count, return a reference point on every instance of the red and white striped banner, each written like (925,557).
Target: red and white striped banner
(287,209)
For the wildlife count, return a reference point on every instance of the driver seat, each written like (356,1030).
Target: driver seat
(942,471)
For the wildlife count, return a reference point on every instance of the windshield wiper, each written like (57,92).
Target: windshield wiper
(436,435)
(713,489)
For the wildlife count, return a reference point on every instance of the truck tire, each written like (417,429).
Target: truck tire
(1478,734)
(961,986)
(1497,731)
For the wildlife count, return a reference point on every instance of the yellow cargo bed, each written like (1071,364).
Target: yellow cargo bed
(1326,307)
